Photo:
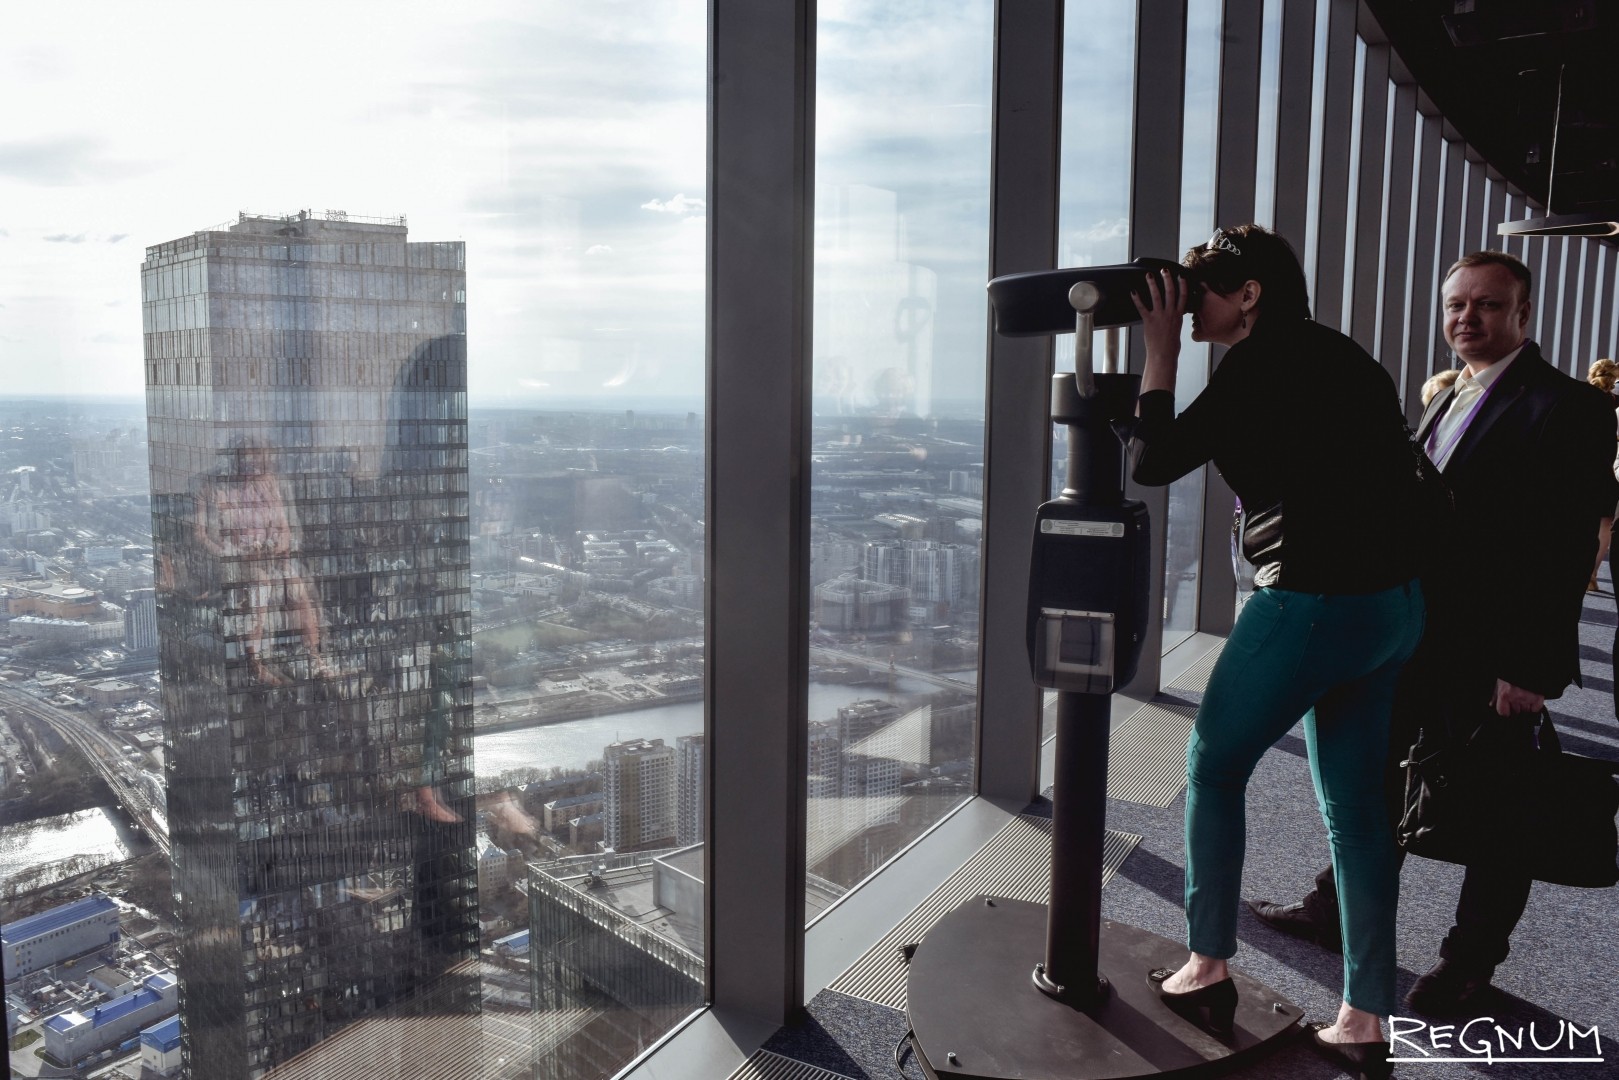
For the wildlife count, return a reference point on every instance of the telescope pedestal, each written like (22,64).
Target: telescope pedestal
(970,995)
(1008,990)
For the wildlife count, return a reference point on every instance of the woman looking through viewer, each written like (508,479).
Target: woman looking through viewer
(1307,429)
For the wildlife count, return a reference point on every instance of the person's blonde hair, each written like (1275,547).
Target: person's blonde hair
(1603,374)
(1437,383)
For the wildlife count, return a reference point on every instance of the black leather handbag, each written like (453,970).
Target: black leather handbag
(1492,798)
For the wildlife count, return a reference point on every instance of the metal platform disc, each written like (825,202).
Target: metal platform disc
(978,1016)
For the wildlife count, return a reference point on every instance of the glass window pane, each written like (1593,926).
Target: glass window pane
(1183,555)
(1099,48)
(1270,89)
(901,258)
(381,613)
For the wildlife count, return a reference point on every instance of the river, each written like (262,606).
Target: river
(575,743)
(96,835)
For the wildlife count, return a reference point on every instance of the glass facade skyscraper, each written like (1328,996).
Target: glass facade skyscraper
(306,401)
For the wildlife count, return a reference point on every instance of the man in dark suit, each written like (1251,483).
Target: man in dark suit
(1527,453)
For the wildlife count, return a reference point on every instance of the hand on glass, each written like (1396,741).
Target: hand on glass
(433,808)
(507,812)
(1509,700)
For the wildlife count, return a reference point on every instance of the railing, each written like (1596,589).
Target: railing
(315,215)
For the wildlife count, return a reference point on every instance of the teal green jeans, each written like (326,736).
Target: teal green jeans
(1333,660)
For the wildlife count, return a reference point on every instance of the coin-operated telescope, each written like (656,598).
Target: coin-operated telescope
(1004,988)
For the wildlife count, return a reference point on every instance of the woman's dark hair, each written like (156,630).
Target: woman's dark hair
(1252,252)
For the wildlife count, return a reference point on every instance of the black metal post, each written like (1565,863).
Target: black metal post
(1095,478)
(1078,817)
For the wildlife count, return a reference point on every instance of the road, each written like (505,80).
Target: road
(103,751)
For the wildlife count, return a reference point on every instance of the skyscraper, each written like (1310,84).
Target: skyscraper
(639,794)
(140,622)
(306,403)
(689,791)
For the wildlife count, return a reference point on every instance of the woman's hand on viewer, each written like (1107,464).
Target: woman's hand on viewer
(1161,319)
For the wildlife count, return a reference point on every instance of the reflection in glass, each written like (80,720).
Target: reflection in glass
(901,257)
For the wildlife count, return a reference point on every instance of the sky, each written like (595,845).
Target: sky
(563,142)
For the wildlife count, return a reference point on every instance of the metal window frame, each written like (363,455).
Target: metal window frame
(1422,323)
(1592,320)
(1332,206)
(1473,216)
(1581,331)
(1540,266)
(1394,344)
(1495,213)
(1236,153)
(760,250)
(1515,211)
(1155,183)
(1558,296)
(1370,228)
(1025,174)
(1293,121)
(1607,332)
(1453,204)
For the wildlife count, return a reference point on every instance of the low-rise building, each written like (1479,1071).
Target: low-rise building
(51,599)
(497,868)
(558,812)
(58,933)
(111,692)
(160,1048)
(513,946)
(587,829)
(65,631)
(72,1036)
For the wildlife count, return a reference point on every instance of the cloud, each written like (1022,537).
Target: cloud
(1116,229)
(599,249)
(679,204)
(79,238)
(60,161)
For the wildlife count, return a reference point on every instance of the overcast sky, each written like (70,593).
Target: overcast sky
(563,142)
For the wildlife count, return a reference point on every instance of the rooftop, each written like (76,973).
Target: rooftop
(56,918)
(163,1035)
(117,1008)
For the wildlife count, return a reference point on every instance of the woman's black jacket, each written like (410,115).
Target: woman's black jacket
(1306,427)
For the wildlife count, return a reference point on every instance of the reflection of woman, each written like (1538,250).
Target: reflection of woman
(247,518)
(1307,429)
